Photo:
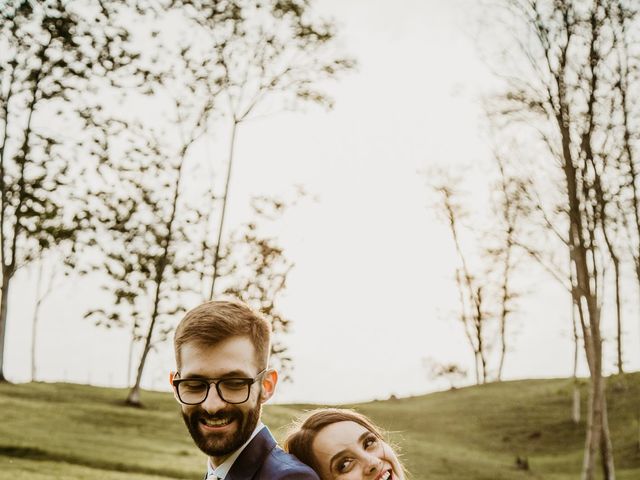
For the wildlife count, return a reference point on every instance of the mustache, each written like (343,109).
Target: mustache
(219,415)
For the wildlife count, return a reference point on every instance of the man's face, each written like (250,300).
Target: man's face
(219,428)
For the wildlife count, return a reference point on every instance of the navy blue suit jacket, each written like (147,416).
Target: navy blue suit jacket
(263,459)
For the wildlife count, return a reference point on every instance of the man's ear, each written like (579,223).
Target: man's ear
(269,382)
(172,375)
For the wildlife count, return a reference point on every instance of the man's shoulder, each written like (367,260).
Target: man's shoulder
(282,465)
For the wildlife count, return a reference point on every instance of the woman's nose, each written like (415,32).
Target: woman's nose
(373,465)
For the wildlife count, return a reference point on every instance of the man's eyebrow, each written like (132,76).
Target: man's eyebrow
(235,374)
(361,438)
(182,376)
(231,374)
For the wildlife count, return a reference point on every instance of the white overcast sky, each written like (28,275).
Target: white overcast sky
(372,293)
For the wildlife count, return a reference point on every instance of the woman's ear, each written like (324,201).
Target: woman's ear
(269,382)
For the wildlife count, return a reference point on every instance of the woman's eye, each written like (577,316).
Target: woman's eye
(370,441)
(344,465)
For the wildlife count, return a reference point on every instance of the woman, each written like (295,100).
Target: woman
(345,445)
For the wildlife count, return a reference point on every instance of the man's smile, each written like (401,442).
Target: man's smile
(216,424)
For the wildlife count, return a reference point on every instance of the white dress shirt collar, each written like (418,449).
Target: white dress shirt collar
(222,470)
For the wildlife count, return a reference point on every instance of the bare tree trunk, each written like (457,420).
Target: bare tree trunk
(575,411)
(605,221)
(580,254)
(9,269)
(216,255)
(463,319)
(132,344)
(606,447)
(4,296)
(616,266)
(598,434)
(620,42)
(505,310)
(40,298)
(6,269)
(594,427)
(134,394)
(510,217)
(34,323)
(479,334)
(471,313)
(503,348)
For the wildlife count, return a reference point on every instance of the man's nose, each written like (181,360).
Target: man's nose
(213,403)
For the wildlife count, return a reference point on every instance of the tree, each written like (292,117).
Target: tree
(142,229)
(509,211)
(148,228)
(41,296)
(452,372)
(255,270)
(52,53)
(575,409)
(268,55)
(150,209)
(565,82)
(473,313)
(625,28)
(143,222)
(487,263)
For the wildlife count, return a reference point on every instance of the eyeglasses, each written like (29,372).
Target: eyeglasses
(234,390)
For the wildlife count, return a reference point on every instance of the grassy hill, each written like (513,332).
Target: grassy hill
(69,431)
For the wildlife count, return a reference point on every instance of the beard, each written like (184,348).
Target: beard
(219,445)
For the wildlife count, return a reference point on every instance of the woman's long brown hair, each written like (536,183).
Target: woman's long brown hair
(300,441)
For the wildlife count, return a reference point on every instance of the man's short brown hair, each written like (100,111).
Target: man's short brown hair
(218,320)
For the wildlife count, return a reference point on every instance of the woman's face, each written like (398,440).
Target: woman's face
(348,451)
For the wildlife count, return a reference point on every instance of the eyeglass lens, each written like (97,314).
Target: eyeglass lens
(230,390)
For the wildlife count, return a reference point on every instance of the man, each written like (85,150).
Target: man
(222,354)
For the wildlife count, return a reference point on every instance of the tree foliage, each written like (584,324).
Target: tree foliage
(266,56)
(51,54)
(150,205)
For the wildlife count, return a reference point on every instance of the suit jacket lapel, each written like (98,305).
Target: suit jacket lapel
(253,456)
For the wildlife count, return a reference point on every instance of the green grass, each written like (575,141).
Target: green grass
(70,431)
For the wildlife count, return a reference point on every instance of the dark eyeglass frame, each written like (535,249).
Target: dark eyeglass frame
(216,381)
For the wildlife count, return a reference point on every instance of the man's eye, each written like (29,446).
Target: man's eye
(370,441)
(235,383)
(193,386)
